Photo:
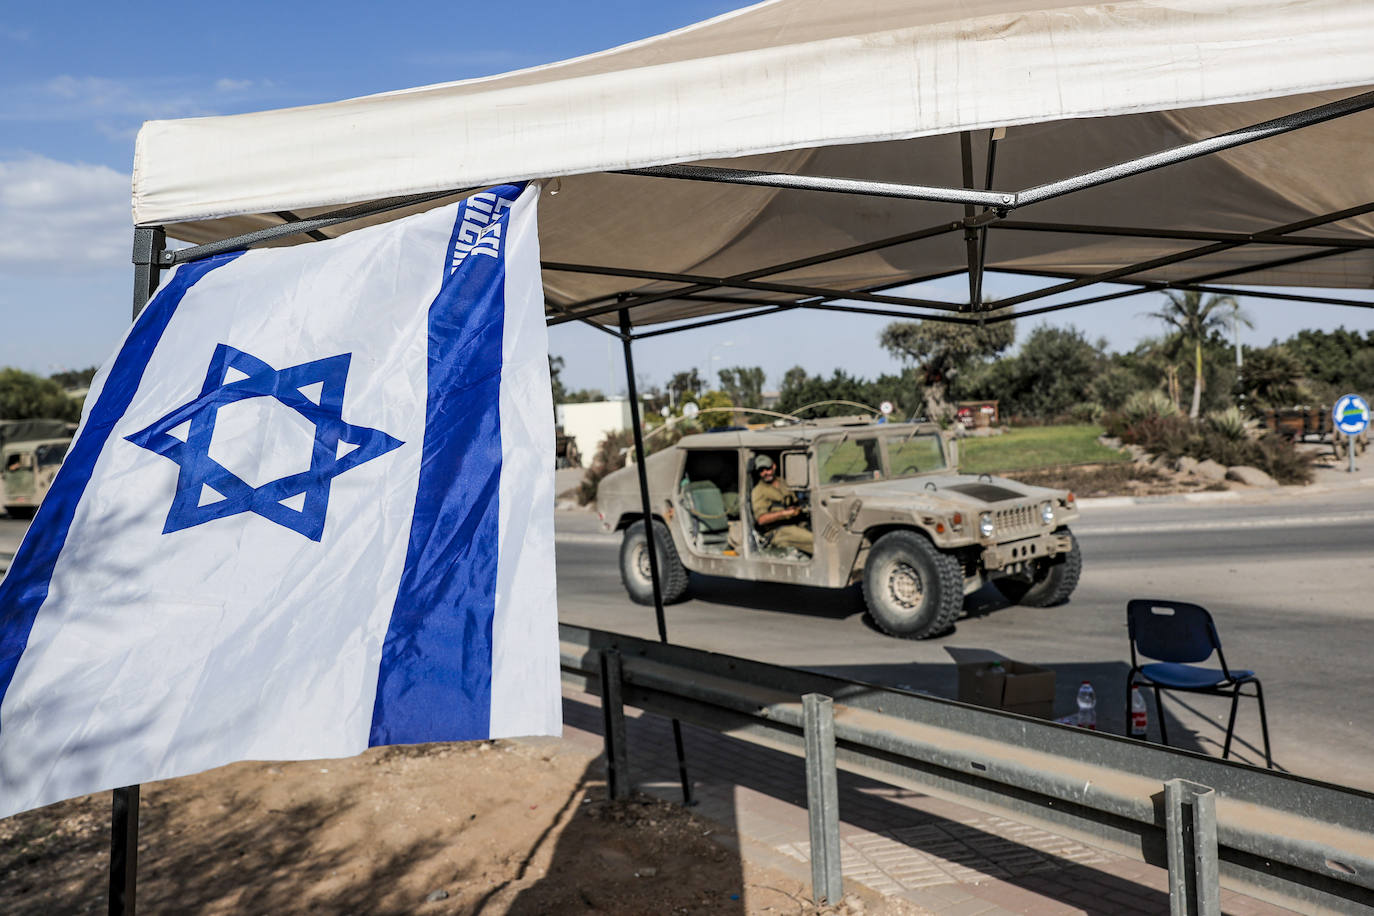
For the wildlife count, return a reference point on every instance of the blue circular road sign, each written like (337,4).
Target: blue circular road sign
(1351,414)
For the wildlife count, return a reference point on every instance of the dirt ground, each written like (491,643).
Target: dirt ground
(505,827)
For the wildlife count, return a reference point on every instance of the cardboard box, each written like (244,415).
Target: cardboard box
(1014,686)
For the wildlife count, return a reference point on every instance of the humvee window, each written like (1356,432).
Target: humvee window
(846,460)
(48,455)
(907,455)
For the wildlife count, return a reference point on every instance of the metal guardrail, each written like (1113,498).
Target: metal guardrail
(1295,842)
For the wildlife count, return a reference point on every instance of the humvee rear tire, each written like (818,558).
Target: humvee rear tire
(1051,582)
(634,565)
(912,590)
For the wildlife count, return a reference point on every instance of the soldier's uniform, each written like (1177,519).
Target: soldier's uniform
(770,497)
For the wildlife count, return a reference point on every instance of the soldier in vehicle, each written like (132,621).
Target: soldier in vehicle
(775,507)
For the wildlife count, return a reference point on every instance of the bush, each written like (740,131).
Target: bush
(611,453)
(1148,404)
(1217,439)
(1231,423)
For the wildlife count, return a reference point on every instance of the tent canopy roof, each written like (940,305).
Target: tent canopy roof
(874,89)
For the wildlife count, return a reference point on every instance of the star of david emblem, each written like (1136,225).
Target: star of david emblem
(207,490)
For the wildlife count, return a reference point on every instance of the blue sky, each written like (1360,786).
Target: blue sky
(77,80)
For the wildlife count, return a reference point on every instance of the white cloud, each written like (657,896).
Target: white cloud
(62,215)
(13,34)
(228,85)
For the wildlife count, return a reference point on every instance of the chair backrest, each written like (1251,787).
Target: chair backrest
(708,507)
(1171,631)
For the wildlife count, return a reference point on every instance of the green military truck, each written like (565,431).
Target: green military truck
(887,508)
(31,451)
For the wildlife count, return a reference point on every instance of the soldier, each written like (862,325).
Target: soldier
(775,506)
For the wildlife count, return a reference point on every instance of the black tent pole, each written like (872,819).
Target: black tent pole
(650,544)
(148,246)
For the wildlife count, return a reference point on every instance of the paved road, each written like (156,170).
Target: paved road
(1288,579)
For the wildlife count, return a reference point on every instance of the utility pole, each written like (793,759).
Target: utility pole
(1240,375)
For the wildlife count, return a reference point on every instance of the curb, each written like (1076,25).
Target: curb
(1106,502)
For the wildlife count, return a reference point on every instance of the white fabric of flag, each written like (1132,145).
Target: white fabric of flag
(309,510)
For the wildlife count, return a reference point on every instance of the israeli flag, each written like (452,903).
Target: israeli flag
(309,510)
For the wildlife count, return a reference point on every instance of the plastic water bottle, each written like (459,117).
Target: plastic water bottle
(1140,717)
(1087,706)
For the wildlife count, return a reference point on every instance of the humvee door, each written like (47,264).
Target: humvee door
(709,495)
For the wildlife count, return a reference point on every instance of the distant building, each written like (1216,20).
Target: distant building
(770,399)
(588,423)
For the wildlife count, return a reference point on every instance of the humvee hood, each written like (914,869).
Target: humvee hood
(985,490)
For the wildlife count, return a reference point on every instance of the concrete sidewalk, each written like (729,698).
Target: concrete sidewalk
(936,854)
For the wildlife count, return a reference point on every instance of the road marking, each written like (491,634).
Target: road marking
(1310,521)
(608,540)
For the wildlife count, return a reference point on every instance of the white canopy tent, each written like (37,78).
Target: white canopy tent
(908,101)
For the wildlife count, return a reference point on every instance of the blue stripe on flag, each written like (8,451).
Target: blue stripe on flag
(25,589)
(435,678)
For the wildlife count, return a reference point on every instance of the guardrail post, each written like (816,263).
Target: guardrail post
(822,798)
(1191,822)
(613,721)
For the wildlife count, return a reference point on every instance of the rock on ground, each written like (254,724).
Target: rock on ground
(1251,477)
(1210,469)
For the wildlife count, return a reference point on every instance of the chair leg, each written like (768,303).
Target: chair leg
(1231,723)
(1264,725)
(1129,679)
(1159,714)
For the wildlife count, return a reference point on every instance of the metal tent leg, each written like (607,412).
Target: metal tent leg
(148,246)
(650,544)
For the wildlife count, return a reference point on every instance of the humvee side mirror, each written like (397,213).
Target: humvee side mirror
(794,470)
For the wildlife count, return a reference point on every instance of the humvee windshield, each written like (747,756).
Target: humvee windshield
(908,455)
(846,459)
(849,459)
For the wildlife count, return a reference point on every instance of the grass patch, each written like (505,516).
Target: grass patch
(1036,447)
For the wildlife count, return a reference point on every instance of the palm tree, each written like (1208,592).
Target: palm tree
(1192,318)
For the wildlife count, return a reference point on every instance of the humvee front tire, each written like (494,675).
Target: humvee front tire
(1051,581)
(634,565)
(912,590)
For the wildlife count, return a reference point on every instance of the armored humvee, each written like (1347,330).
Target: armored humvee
(887,508)
(31,451)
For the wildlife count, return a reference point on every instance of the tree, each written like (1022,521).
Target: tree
(1271,377)
(941,350)
(813,390)
(560,394)
(1051,375)
(1193,319)
(25,396)
(792,379)
(684,384)
(75,378)
(743,385)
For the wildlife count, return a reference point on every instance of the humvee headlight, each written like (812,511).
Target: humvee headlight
(985,526)
(1047,513)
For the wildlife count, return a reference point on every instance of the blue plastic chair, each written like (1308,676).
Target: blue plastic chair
(1178,635)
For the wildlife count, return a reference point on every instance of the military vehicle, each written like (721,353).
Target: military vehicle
(887,508)
(31,451)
